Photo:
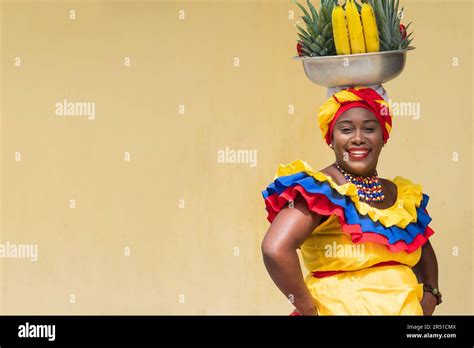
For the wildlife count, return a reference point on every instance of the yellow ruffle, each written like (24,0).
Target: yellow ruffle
(402,213)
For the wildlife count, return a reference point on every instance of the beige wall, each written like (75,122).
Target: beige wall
(207,253)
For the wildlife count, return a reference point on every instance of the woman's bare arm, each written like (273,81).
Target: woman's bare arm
(426,269)
(290,228)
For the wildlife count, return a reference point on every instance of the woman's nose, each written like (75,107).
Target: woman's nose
(358,136)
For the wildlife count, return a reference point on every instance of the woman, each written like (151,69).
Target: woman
(364,239)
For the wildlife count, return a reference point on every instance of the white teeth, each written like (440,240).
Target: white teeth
(359,153)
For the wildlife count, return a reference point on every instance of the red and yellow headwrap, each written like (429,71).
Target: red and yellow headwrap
(346,99)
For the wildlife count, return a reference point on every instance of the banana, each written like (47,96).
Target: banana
(371,31)
(356,32)
(339,27)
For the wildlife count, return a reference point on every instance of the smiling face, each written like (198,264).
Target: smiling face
(357,141)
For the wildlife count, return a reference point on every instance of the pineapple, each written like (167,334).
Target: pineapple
(317,39)
(392,37)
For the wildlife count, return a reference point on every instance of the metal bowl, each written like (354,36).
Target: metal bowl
(355,69)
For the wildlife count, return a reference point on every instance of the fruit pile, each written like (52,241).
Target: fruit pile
(351,28)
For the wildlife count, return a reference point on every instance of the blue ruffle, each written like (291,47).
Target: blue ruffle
(352,216)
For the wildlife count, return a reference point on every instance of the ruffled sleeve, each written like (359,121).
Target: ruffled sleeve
(402,227)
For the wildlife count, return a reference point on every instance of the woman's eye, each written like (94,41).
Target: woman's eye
(370,129)
(346,130)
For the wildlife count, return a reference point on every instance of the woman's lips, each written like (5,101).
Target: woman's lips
(358,154)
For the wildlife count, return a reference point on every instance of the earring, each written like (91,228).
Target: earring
(330,145)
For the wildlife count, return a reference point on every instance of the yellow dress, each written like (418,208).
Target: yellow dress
(355,237)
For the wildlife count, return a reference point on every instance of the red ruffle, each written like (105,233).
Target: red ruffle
(320,204)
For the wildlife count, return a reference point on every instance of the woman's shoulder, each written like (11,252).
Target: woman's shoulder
(335,175)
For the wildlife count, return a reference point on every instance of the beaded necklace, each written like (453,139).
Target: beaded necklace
(369,188)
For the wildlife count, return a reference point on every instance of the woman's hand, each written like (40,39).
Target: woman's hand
(428,303)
